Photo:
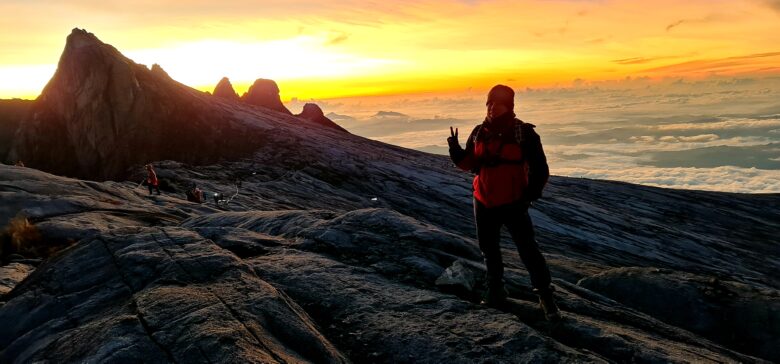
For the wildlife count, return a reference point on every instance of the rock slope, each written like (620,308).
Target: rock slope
(279,269)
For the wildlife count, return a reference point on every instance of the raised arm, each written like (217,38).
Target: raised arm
(463,158)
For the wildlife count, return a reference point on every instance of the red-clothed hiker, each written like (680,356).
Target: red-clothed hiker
(507,156)
(151,179)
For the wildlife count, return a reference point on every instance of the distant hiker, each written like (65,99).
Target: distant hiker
(511,170)
(219,198)
(194,194)
(19,164)
(151,179)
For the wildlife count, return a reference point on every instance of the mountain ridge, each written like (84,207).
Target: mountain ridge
(102,113)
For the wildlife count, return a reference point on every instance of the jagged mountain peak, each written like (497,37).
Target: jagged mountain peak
(84,49)
(158,70)
(224,89)
(81,38)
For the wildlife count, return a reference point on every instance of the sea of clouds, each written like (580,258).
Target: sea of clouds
(720,134)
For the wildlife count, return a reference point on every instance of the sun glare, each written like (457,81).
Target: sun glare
(205,62)
(24,81)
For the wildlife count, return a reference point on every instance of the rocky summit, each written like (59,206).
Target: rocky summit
(316,245)
(265,93)
(314,113)
(225,90)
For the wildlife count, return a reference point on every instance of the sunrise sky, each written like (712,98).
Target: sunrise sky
(665,93)
(317,49)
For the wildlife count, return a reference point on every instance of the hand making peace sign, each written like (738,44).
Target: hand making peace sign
(452,141)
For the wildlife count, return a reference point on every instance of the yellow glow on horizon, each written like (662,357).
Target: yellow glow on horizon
(27,81)
(206,62)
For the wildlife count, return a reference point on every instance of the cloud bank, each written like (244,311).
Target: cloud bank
(720,134)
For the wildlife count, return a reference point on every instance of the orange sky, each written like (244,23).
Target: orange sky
(332,49)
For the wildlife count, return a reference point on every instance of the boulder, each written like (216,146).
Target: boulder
(314,113)
(265,93)
(458,277)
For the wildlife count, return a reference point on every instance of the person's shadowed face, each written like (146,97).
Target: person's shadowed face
(496,109)
(500,101)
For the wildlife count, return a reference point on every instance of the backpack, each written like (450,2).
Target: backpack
(533,155)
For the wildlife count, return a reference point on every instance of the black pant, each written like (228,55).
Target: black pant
(156,187)
(517,220)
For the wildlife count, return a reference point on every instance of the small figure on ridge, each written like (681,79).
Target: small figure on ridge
(151,179)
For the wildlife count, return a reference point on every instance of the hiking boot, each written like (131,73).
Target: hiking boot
(494,295)
(547,302)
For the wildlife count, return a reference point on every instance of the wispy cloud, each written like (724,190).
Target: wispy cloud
(731,124)
(674,24)
(337,38)
(707,19)
(641,60)
(689,139)
(738,64)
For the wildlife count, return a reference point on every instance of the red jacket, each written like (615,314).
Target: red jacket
(152,178)
(492,151)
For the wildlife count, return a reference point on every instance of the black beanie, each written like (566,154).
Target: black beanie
(503,94)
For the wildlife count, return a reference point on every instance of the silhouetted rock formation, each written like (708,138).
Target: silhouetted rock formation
(102,113)
(225,90)
(313,113)
(12,112)
(265,93)
(157,70)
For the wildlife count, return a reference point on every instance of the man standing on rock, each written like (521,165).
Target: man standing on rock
(151,179)
(511,170)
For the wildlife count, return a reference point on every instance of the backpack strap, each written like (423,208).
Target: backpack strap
(522,130)
(476,133)
(497,159)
